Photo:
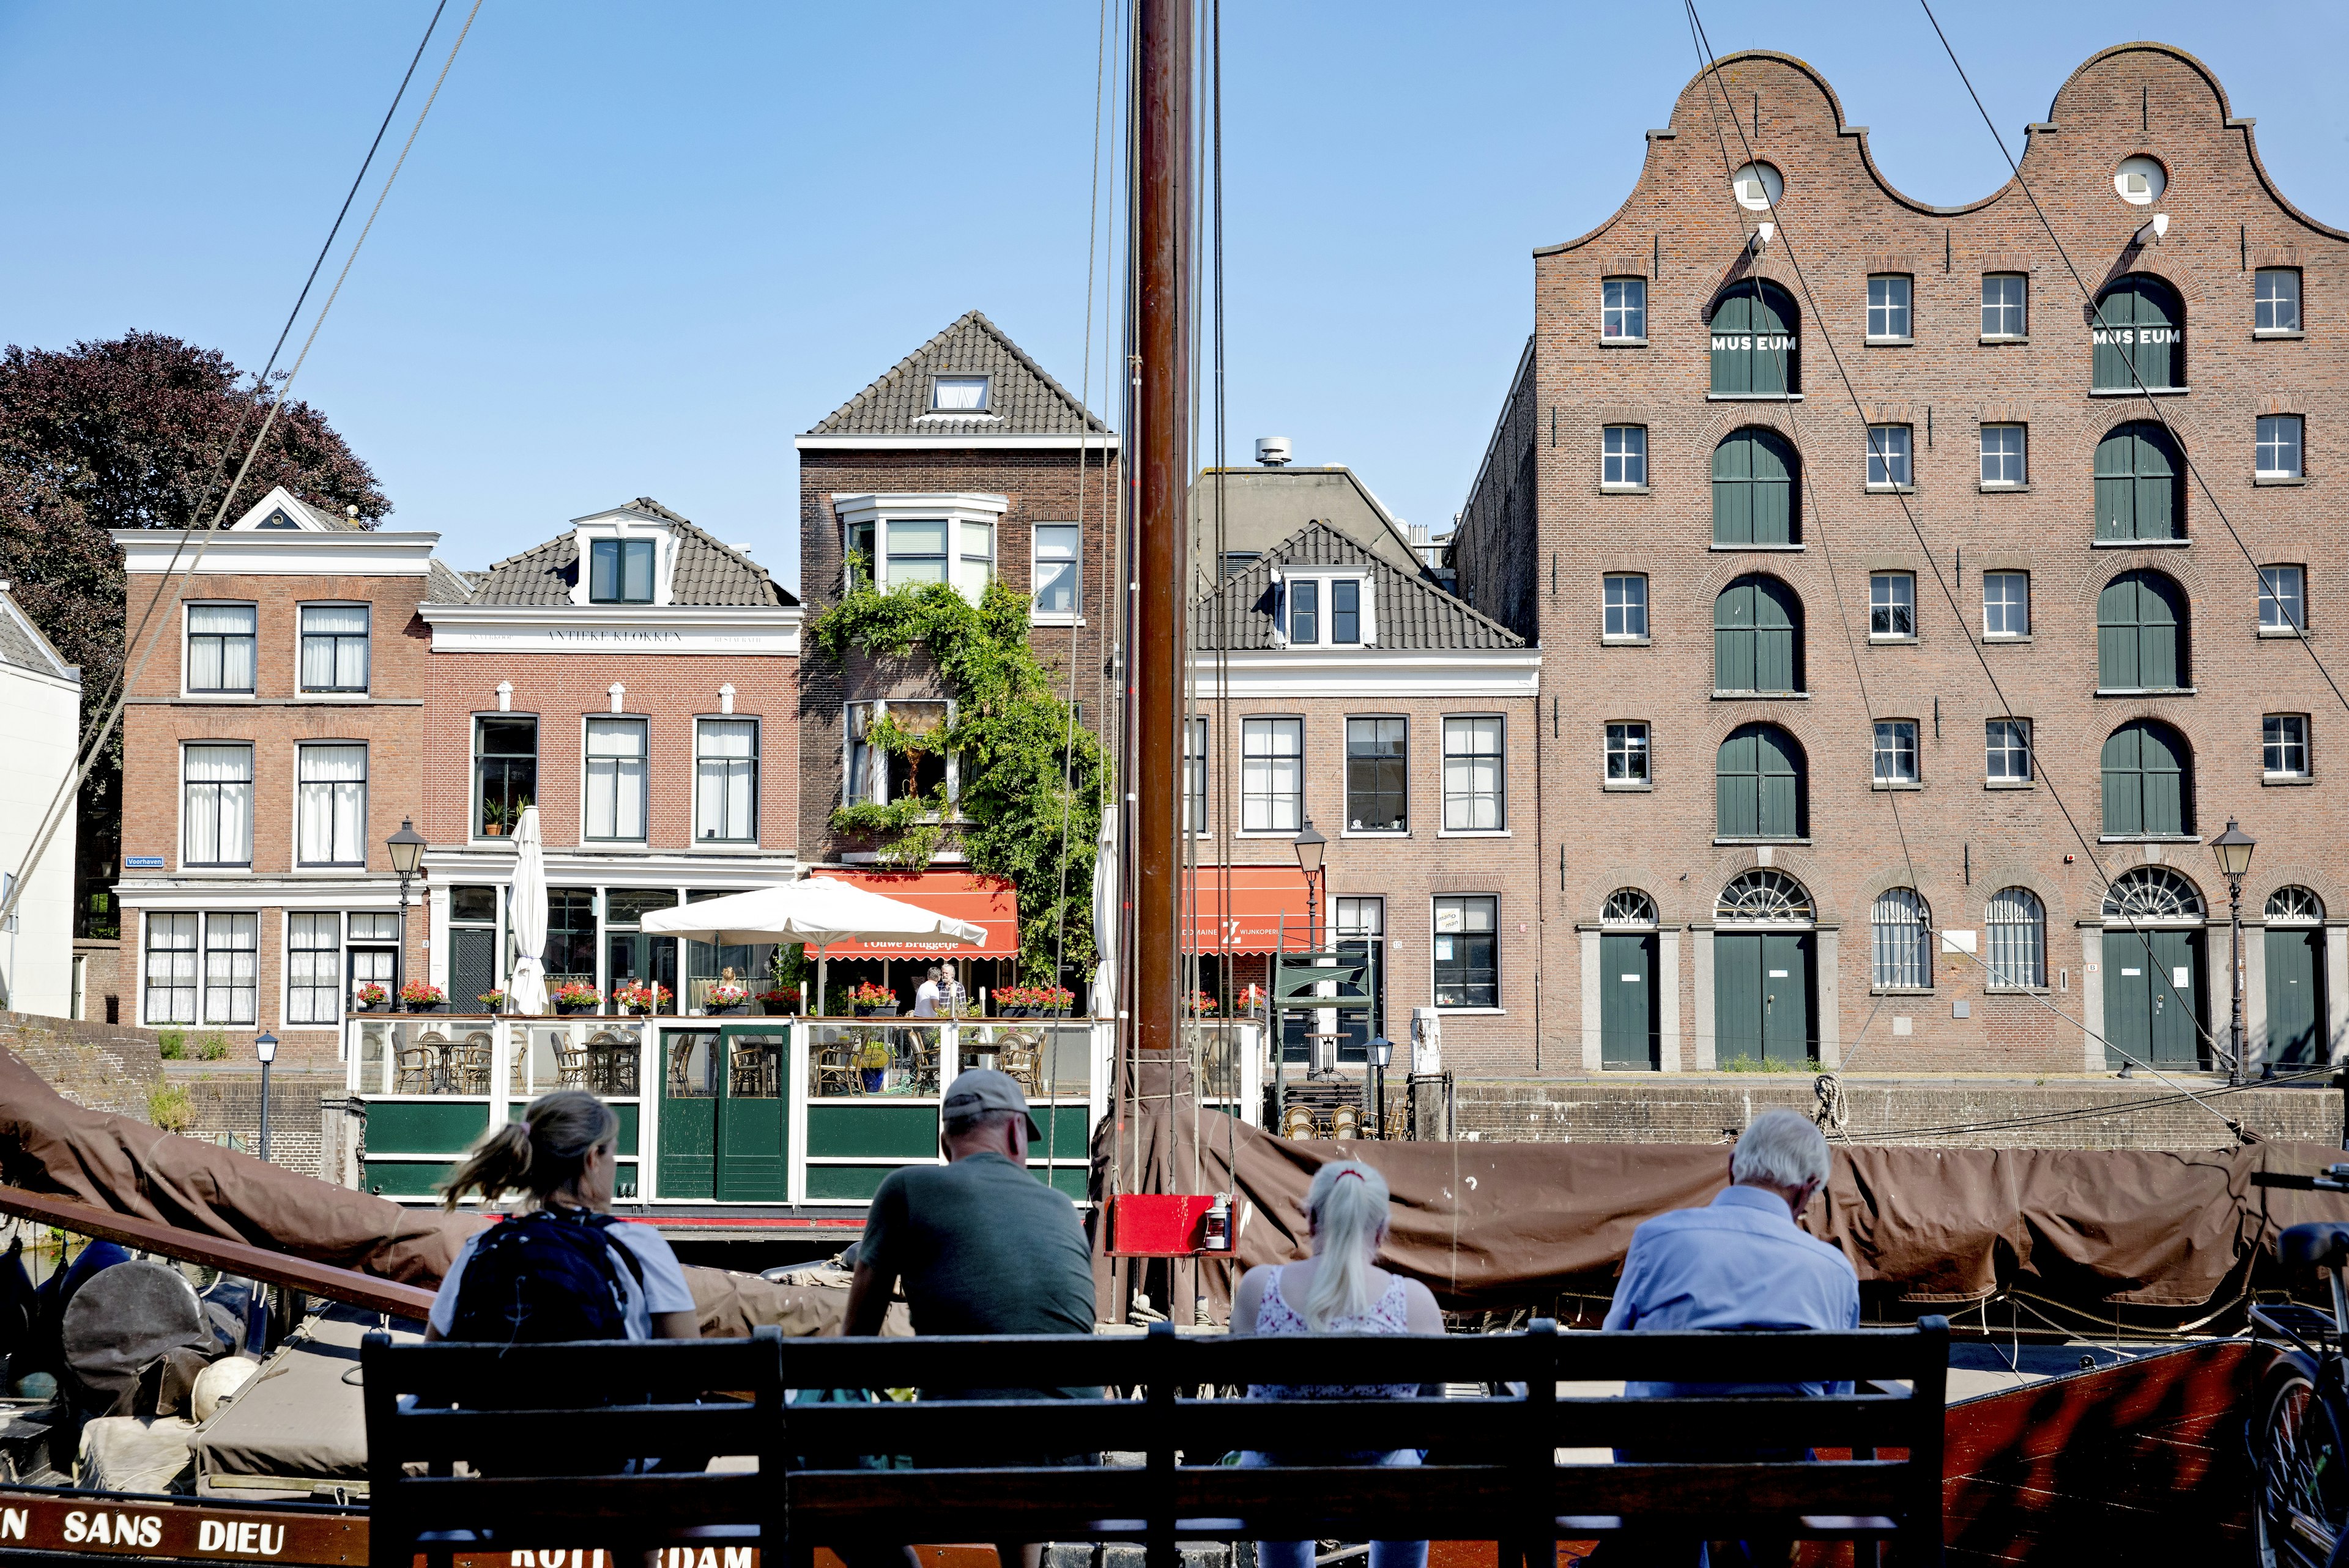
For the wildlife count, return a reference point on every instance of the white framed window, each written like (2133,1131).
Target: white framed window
(1627,754)
(2141,180)
(1623,310)
(2283,746)
(1892,606)
(1625,608)
(374,946)
(314,968)
(2276,300)
(2277,449)
(167,973)
(1887,307)
(2004,305)
(2283,599)
(974,558)
(1623,463)
(334,657)
(231,968)
(1887,457)
(1055,561)
(616,782)
(1378,775)
(1757,186)
(2006,750)
(876,775)
(1901,949)
(1325,612)
(216,805)
(221,643)
(910,540)
(2006,603)
(330,805)
(1474,801)
(2002,463)
(961,393)
(1467,951)
(620,570)
(726,780)
(1195,776)
(2018,939)
(1272,775)
(1896,751)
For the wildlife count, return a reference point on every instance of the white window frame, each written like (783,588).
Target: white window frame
(2033,926)
(1614,610)
(185,821)
(2004,602)
(1637,743)
(187,650)
(1284,579)
(954,508)
(2283,435)
(2020,457)
(1895,742)
(1616,311)
(220,928)
(192,955)
(332,987)
(985,406)
(702,721)
(1196,746)
(302,789)
(1037,614)
(1436,932)
(664,541)
(1892,596)
(2277,619)
(1891,452)
(1623,458)
(1891,308)
(1267,724)
(2281,735)
(2000,749)
(1900,941)
(848,745)
(2264,303)
(366,650)
(644,726)
(1500,791)
(2021,307)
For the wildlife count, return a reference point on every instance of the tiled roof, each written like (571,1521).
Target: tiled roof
(22,645)
(1023,400)
(707,572)
(1412,611)
(444,584)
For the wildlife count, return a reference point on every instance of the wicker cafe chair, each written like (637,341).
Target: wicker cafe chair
(755,1071)
(571,1064)
(611,1063)
(469,1064)
(1297,1121)
(1345,1123)
(1019,1054)
(833,1063)
(415,1068)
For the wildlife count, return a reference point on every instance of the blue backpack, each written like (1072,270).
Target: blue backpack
(543,1278)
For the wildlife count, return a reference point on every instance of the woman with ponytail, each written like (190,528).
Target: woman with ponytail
(1340,1289)
(563,1268)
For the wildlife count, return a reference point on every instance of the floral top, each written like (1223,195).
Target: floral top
(1390,1314)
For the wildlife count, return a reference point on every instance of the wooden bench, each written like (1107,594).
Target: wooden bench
(1492,1471)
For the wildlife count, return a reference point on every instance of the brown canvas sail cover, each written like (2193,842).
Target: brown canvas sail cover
(1506,1224)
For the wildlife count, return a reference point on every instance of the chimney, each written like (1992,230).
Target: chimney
(1272,451)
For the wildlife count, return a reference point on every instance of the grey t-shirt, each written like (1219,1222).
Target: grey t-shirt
(984,1247)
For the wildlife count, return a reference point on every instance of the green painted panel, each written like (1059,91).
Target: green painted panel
(2148,1014)
(1737,996)
(1071,1179)
(899,1131)
(1065,1131)
(627,1112)
(425,1126)
(401,1178)
(1786,997)
(2295,966)
(1628,1036)
(837,1182)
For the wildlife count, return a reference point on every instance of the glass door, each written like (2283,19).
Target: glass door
(1362,932)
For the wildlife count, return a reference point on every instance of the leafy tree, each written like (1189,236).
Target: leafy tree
(138,431)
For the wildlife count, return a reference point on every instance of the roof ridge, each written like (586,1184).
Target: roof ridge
(1042,375)
(889,380)
(1417,579)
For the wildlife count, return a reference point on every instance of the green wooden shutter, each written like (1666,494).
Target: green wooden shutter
(2155,506)
(1733,490)
(1777,636)
(1772,462)
(2117,484)
(2124,782)
(1780,784)
(1733,666)
(1733,366)
(2157,316)
(2116,318)
(2161,622)
(1737,786)
(1773,315)
(1736,995)
(2162,760)
(2117,633)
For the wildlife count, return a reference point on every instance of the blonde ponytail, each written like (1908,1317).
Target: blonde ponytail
(540,1154)
(1347,1206)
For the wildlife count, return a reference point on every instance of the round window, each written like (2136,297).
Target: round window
(2141,180)
(1757,186)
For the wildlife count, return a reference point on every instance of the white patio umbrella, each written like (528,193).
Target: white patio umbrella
(526,910)
(1105,891)
(818,910)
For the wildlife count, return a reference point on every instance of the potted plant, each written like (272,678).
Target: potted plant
(576,997)
(422,996)
(780,1002)
(492,1001)
(642,996)
(1054,1001)
(872,1001)
(373,998)
(1203,1004)
(873,1065)
(1012,1001)
(722,998)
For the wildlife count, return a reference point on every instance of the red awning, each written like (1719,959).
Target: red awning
(988,902)
(1267,911)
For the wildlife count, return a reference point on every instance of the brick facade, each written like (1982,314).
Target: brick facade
(1540,532)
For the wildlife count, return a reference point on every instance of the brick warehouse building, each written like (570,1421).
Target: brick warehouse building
(1682,508)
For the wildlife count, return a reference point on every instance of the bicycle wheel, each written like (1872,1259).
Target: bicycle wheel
(2302,1503)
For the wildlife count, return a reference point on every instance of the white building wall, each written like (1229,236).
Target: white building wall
(41,723)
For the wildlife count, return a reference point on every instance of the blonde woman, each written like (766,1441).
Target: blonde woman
(1341,1289)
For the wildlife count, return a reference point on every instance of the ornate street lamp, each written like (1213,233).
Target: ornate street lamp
(407,850)
(1309,845)
(265,1046)
(2233,847)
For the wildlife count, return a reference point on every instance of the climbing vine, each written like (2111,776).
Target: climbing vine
(1031,782)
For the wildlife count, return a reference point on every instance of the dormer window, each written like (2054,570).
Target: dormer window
(620,572)
(960,394)
(1324,611)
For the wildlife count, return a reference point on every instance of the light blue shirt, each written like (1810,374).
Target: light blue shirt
(1741,1263)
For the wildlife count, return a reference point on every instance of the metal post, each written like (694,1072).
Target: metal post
(2235,1073)
(265,1111)
(400,956)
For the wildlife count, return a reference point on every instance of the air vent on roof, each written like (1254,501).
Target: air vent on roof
(1272,451)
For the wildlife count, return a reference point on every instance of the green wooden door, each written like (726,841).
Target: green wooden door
(1754,489)
(1757,637)
(688,1113)
(2145,779)
(1786,996)
(2140,633)
(2296,966)
(1736,996)
(2153,988)
(2137,484)
(752,1136)
(1758,785)
(1629,1036)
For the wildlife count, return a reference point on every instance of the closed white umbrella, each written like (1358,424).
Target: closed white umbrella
(817,911)
(526,910)
(1105,891)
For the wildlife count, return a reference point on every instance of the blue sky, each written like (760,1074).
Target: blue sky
(637,248)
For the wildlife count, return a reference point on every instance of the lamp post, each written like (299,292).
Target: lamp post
(406,849)
(2234,848)
(1309,845)
(265,1046)
(1381,1053)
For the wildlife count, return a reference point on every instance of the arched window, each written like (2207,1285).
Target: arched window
(2148,781)
(2141,633)
(1628,906)
(2152,892)
(1758,784)
(1753,492)
(1757,637)
(1902,929)
(2293,905)
(2139,323)
(2138,495)
(1766,895)
(1754,341)
(2018,937)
